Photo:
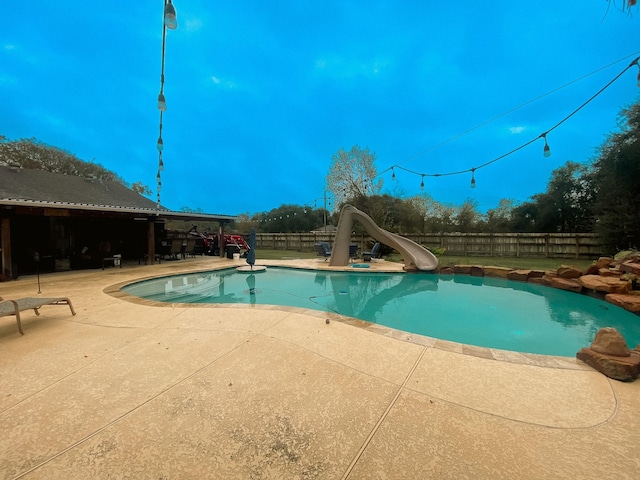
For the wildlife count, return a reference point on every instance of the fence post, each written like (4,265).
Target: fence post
(546,245)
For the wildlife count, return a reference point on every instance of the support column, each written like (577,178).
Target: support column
(151,240)
(5,245)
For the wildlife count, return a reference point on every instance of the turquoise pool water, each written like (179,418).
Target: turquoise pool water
(488,312)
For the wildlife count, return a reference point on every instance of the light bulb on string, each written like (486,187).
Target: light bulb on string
(393,174)
(546,151)
(160,164)
(473,178)
(160,144)
(638,74)
(162,103)
(422,183)
(170,17)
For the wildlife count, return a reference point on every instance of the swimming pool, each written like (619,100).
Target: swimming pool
(482,311)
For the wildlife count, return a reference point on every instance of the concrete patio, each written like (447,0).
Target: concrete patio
(129,389)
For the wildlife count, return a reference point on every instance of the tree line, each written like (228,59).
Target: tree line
(601,197)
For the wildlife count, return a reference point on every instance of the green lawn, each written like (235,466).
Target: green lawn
(516,263)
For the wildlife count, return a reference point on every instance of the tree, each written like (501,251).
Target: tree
(468,216)
(435,217)
(290,219)
(352,175)
(524,218)
(566,206)
(615,182)
(498,220)
(389,213)
(141,188)
(33,154)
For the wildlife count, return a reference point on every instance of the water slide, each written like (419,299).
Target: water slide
(415,256)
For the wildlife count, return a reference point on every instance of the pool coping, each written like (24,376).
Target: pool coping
(522,358)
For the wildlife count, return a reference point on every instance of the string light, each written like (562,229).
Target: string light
(170,21)
(393,174)
(546,149)
(170,17)
(162,102)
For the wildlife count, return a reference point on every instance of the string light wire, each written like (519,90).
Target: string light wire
(526,144)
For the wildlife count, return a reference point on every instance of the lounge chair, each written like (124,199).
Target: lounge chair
(324,250)
(14,307)
(353,252)
(374,253)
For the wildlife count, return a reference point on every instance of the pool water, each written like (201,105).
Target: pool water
(482,311)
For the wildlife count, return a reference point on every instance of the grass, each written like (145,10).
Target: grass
(509,262)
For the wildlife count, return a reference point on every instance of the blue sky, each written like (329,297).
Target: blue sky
(260,95)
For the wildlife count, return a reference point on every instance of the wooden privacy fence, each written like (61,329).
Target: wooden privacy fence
(532,245)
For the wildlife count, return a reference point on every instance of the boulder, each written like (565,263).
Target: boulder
(519,275)
(604,284)
(547,277)
(592,269)
(609,272)
(464,269)
(571,284)
(567,271)
(500,272)
(476,271)
(630,267)
(629,301)
(536,274)
(618,368)
(609,341)
(604,262)
(447,270)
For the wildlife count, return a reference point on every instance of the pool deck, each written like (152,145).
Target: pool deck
(128,389)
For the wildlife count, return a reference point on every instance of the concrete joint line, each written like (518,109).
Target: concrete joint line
(384,416)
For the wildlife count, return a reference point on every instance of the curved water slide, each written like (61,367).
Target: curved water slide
(415,256)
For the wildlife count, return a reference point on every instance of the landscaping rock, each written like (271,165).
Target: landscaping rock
(571,284)
(519,275)
(547,277)
(604,262)
(567,271)
(464,269)
(629,301)
(605,284)
(447,270)
(630,267)
(592,269)
(609,341)
(500,272)
(476,271)
(609,272)
(618,368)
